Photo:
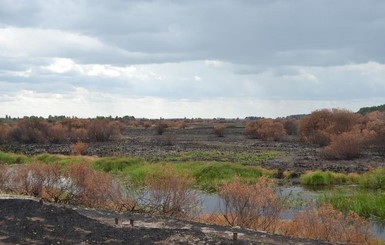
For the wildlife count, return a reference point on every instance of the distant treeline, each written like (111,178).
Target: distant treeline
(365,110)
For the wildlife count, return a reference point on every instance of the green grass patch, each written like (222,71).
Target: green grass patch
(208,176)
(117,164)
(373,179)
(363,202)
(12,158)
(209,168)
(61,159)
(325,178)
(216,156)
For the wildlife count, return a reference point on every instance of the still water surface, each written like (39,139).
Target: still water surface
(211,203)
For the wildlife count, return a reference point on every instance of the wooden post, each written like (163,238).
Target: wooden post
(131,222)
(116,221)
(235,236)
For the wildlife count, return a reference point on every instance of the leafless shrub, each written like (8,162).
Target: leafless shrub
(56,186)
(170,194)
(251,206)
(160,127)
(181,124)
(57,134)
(78,134)
(373,125)
(265,129)
(146,124)
(91,188)
(291,126)
(79,148)
(27,179)
(326,223)
(321,125)
(219,130)
(346,146)
(4,129)
(102,130)
(75,184)
(29,131)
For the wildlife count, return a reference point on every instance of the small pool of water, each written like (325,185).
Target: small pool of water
(212,203)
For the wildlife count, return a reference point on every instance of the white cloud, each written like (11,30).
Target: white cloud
(84,103)
(197,78)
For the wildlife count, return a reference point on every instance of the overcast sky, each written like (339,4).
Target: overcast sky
(192,58)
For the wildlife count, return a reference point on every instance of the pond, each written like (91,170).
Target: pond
(211,203)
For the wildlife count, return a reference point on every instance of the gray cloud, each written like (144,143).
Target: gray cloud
(190,51)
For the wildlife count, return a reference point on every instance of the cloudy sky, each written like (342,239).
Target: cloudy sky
(190,58)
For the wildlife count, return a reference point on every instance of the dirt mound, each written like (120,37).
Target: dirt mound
(27,221)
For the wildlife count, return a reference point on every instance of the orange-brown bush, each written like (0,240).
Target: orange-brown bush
(373,124)
(28,179)
(76,184)
(219,130)
(91,188)
(326,223)
(345,146)
(4,129)
(171,194)
(146,124)
(78,134)
(181,124)
(251,206)
(79,148)
(39,130)
(291,126)
(4,178)
(265,129)
(321,125)
(102,130)
(32,130)
(57,134)
(56,186)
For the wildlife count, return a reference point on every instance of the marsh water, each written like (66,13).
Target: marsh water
(211,203)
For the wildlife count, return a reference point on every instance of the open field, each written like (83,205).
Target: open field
(198,143)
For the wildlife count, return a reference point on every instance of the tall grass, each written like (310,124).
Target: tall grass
(365,203)
(12,158)
(208,176)
(373,179)
(325,178)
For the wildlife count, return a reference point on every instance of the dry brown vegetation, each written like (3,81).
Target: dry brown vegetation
(254,206)
(326,223)
(219,130)
(251,206)
(344,134)
(265,129)
(75,184)
(79,148)
(37,130)
(258,207)
(170,194)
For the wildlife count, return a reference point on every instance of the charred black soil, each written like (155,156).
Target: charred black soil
(28,221)
(144,142)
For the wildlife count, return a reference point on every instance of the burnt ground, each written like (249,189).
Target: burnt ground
(28,221)
(139,141)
